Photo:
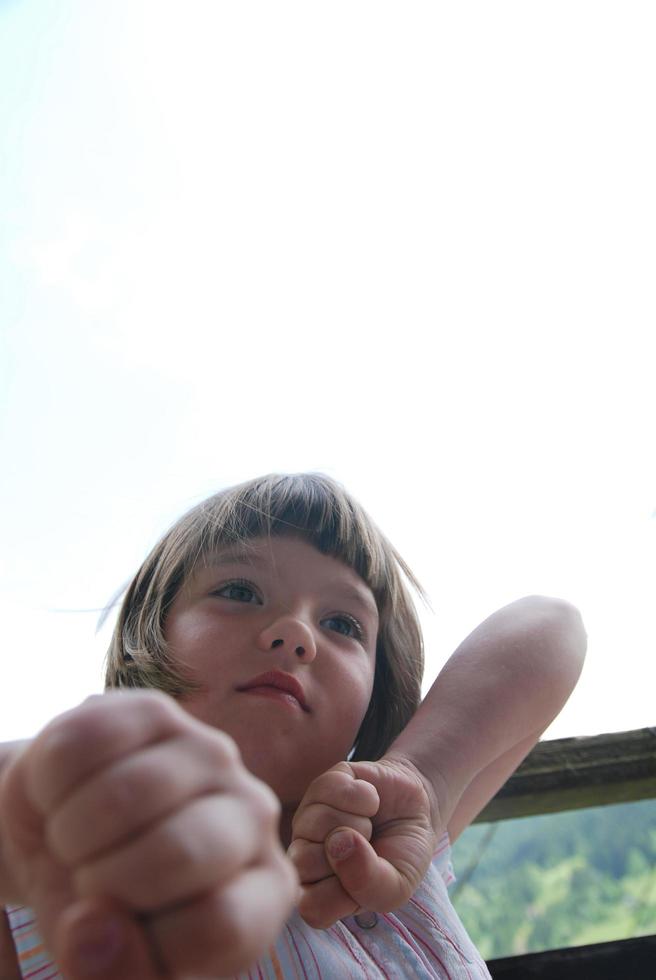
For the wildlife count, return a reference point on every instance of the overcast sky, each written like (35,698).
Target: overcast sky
(408,245)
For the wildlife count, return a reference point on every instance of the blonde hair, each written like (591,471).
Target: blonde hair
(320,511)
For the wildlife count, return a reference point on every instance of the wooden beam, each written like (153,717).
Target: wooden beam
(571,773)
(603,961)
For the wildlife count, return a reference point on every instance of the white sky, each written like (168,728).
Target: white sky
(409,245)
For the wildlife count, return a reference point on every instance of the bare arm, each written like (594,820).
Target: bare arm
(365,832)
(8,887)
(502,687)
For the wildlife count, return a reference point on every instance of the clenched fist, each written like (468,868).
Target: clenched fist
(363,837)
(128,809)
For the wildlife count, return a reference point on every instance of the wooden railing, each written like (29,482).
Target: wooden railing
(568,774)
(571,773)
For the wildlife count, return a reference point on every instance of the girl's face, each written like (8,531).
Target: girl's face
(278,607)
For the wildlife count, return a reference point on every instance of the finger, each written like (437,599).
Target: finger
(309,859)
(318,819)
(372,881)
(90,737)
(97,938)
(325,902)
(137,791)
(22,823)
(342,789)
(403,791)
(225,931)
(205,843)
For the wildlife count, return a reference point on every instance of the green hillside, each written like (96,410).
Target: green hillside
(565,879)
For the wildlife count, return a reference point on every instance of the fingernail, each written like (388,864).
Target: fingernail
(340,845)
(101,944)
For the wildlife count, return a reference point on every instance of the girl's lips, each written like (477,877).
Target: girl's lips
(278,680)
(275,693)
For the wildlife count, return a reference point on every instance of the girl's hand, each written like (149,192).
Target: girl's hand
(128,808)
(363,837)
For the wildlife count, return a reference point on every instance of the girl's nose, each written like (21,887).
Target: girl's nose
(289,635)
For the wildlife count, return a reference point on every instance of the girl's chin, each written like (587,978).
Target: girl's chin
(283,763)
(287,777)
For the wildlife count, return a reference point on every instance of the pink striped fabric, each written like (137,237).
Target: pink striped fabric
(424,940)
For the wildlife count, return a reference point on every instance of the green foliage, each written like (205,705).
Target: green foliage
(565,879)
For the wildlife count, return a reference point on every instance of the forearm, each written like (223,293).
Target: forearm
(506,681)
(9,892)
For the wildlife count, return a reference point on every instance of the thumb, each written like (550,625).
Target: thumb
(372,881)
(101,940)
(355,863)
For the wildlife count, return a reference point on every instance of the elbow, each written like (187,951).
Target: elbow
(561,622)
(556,607)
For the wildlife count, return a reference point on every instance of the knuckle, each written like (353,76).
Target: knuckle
(157,706)
(57,738)
(260,800)
(118,796)
(14,768)
(267,804)
(330,777)
(53,755)
(290,872)
(222,748)
(306,823)
(234,940)
(179,852)
(317,787)
(309,861)
(154,708)
(342,767)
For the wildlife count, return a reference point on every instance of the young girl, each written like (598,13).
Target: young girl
(270,797)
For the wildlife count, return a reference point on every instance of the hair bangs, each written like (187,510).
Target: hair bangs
(303,505)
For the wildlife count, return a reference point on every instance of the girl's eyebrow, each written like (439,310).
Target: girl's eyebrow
(233,556)
(355,594)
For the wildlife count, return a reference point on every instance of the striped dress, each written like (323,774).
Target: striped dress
(423,940)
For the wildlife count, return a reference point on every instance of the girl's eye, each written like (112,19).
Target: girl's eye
(346,625)
(237,591)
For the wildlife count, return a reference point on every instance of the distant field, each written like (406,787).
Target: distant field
(565,879)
